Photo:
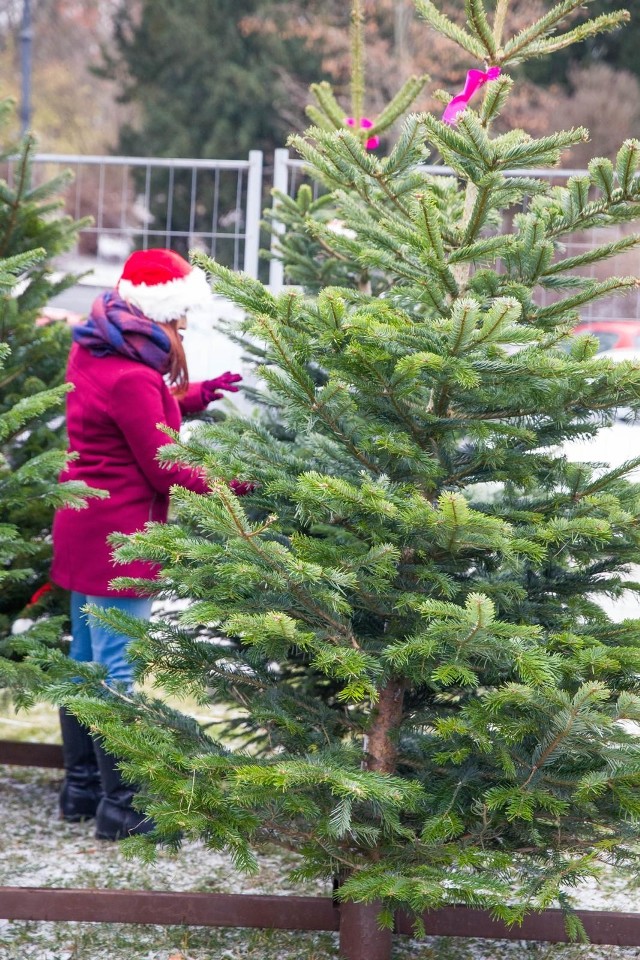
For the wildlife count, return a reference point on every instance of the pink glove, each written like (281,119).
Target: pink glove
(210,389)
(242,487)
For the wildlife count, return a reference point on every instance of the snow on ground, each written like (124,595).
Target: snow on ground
(37,849)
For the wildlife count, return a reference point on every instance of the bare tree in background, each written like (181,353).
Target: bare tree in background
(398,46)
(73,111)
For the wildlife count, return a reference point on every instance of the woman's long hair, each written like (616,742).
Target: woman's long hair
(178,371)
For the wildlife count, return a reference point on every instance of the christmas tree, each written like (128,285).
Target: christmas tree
(307,259)
(440,709)
(30,219)
(32,481)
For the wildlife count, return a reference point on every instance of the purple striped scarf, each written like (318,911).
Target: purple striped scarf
(115,327)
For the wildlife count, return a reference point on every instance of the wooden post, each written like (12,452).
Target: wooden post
(360,936)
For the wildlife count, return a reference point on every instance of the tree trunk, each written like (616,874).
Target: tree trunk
(360,936)
(381,749)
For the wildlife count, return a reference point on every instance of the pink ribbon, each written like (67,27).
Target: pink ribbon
(365,124)
(475,80)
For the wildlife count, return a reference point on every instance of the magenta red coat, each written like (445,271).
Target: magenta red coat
(111,421)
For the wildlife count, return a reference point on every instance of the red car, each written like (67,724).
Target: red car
(613,334)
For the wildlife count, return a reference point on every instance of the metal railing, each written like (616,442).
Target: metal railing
(212,205)
(216,206)
(290,174)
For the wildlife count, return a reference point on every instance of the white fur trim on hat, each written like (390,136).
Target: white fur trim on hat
(163,302)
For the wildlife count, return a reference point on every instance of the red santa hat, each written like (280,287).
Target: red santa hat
(163,285)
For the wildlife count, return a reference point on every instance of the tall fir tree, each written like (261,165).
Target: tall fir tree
(176,64)
(28,485)
(417,540)
(30,219)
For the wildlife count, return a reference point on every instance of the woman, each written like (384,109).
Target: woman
(129,373)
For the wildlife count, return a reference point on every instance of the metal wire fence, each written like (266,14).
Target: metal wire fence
(290,174)
(141,202)
(216,206)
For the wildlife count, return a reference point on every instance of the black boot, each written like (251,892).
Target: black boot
(115,817)
(81,790)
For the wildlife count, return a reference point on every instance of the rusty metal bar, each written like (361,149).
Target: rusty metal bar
(291,913)
(19,754)
(192,909)
(603,927)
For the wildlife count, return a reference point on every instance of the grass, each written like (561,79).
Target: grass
(40,724)
(50,941)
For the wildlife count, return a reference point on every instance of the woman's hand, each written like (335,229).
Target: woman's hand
(211,389)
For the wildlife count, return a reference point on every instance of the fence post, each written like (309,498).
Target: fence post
(280,182)
(253,214)
(360,936)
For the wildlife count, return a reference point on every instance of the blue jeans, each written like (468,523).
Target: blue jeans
(91,640)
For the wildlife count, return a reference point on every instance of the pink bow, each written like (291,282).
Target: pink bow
(475,80)
(365,124)
(241,487)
